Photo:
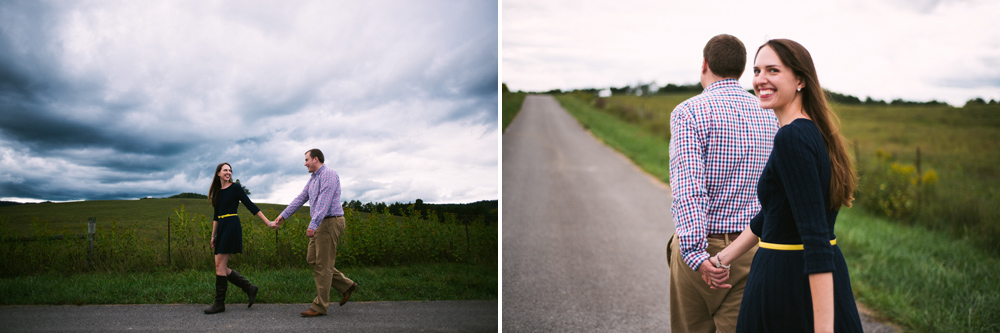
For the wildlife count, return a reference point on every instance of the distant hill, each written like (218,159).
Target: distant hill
(189,195)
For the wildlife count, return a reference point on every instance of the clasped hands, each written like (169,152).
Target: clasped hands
(714,277)
(277,224)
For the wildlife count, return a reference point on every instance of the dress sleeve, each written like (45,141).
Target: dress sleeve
(246,200)
(798,165)
(757,223)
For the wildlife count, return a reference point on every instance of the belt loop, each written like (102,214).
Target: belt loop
(727,239)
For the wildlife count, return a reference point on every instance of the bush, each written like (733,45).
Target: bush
(893,189)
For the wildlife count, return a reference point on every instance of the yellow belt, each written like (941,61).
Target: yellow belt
(225,216)
(786,247)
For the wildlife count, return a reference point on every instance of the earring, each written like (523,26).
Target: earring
(798,89)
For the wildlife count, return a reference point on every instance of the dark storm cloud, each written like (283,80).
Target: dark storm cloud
(113,100)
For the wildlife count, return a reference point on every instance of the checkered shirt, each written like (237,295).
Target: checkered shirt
(323,194)
(720,141)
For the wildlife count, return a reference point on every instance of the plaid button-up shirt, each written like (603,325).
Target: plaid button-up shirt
(719,143)
(323,193)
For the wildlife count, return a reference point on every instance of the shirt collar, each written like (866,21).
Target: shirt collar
(724,83)
(321,168)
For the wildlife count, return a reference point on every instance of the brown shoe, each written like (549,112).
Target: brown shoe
(311,313)
(347,294)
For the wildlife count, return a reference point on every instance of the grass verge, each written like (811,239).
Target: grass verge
(438,281)
(913,277)
(922,280)
(649,151)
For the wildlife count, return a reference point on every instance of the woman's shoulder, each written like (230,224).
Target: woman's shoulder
(801,134)
(796,130)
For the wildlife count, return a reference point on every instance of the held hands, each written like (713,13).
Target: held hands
(715,278)
(277,222)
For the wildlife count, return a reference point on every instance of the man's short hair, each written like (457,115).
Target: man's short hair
(726,56)
(316,153)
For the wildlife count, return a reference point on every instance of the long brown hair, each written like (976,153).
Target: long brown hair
(213,192)
(843,179)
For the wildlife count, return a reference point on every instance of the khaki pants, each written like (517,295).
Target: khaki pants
(694,307)
(322,254)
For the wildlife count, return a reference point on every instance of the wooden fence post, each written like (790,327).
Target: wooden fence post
(91,230)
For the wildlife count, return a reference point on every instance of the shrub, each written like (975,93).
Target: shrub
(893,189)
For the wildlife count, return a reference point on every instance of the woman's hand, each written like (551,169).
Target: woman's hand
(213,243)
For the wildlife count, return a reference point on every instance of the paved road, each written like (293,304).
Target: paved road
(584,231)
(437,316)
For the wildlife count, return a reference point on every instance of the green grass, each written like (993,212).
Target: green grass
(649,151)
(435,281)
(511,106)
(921,279)
(917,278)
(152,214)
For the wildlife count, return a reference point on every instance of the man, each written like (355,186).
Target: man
(720,141)
(325,227)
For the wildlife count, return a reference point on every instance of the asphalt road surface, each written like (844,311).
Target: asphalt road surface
(584,231)
(436,316)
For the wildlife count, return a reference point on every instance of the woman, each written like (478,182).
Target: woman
(798,281)
(227,234)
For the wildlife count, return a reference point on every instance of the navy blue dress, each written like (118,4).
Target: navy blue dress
(229,233)
(794,196)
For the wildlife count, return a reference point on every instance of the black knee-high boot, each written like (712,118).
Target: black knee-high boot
(220,296)
(244,284)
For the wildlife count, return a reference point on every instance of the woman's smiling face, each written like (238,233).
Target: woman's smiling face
(226,174)
(774,83)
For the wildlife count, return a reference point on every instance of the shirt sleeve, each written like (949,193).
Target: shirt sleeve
(246,200)
(296,203)
(687,184)
(797,163)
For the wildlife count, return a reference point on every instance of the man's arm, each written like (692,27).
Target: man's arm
(687,185)
(295,205)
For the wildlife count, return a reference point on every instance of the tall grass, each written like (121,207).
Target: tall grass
(370,239)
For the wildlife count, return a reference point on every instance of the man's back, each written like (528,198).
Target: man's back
(720,142)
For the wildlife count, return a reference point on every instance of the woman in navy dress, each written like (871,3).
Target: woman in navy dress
(798,280)
(227,234)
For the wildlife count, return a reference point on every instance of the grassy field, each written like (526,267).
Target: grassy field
(397,257)
(914,275)
(423,282)
(152,214)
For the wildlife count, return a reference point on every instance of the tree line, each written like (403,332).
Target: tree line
(650,89)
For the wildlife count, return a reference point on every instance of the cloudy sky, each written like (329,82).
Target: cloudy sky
(127,99)
(918,50)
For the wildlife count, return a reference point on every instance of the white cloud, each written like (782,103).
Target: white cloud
(883,49)
(147,98)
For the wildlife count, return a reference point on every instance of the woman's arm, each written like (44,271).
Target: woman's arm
(215,223)
(735,250)
(738,247)
(821,286)
(261,216)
